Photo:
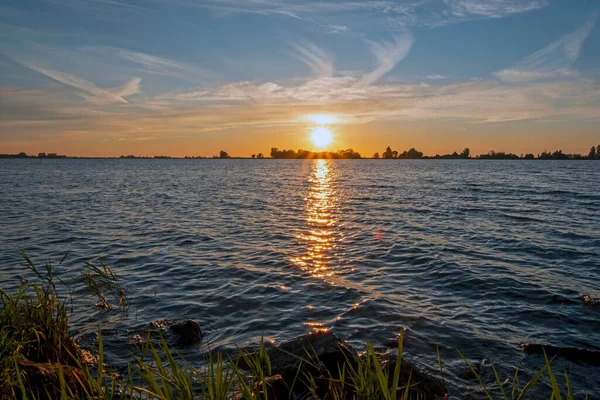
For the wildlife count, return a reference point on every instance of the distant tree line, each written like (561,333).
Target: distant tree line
(594,154)
(40,155)
(389,153)
(415,154)
(302,154)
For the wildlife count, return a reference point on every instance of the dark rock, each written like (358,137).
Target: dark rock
(322,380)
(186,333)
(591,302)
(422,384)
(317,355)
(324,347)
(276,387)
(573,354)
(467,374)
(322,355)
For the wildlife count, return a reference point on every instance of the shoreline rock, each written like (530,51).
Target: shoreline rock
(573,354)
(186,333)
(323,355)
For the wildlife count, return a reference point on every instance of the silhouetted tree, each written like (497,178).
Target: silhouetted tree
(223,154)
(388,153)
(529,156)
(376,155)
(348,153)
(598,152)
(413,153)
(559,155)
(500,155)
(260,155)
(466,153)
(253,155)
(592,153)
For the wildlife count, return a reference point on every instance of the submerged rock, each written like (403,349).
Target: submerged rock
(422,385)
(277,388)
(468,375)
(591,302)
(573,354)
(186,333)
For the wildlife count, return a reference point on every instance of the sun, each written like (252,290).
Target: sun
(321,137)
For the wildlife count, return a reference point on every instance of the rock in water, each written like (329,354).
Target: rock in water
(277,389)
(573,354)
(318,354)
(321,348)
(186,333)
(591,302)
(422,384)
(323,355)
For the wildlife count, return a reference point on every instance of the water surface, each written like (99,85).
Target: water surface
(475,255)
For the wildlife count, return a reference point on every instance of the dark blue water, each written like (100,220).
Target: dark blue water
(476,255)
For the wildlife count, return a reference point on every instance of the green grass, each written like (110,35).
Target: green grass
(34,340)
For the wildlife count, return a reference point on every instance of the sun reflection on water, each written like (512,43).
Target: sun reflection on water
(319,238)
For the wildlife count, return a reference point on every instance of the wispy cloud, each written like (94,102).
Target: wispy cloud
(493,8)
(388,54)
(332,28)
(255,101)
(272,105)
(160,66)
(553,61)
(402,15)
(91,92)
(316,58)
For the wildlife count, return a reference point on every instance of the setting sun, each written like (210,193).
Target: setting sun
(321,137)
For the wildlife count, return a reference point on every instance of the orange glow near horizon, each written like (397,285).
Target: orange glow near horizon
(165,137)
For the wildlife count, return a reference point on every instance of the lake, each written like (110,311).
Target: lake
(476,255)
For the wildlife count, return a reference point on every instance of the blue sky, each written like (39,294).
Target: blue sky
(106,77)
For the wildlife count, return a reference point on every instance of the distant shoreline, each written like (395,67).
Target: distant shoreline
(348,154)
(296,159)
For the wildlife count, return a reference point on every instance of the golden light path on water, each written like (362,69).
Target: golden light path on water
(320,220)
(319,237)
(323,238)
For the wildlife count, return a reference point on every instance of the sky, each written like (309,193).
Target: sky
(192,77)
